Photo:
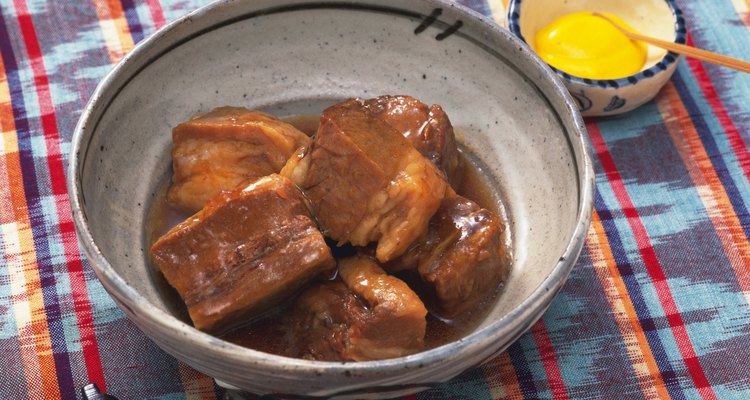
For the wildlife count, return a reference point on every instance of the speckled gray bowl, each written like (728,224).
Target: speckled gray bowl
(296,57)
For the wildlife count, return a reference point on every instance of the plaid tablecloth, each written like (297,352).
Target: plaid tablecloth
(657,306)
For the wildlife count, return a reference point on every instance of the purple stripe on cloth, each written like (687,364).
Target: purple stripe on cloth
(134,23)
(639,303)
(523,372)
(36,215)
(13,376)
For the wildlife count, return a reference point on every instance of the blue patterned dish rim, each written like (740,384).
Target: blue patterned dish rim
(514,25)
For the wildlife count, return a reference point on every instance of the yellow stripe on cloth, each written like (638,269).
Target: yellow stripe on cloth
(623,310)
(502,378)
(114,28)
(741,6)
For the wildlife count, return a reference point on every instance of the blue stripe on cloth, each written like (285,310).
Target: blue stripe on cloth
(143,13)
(481,6)
(644,140)
(730,38)
(470,385)
(36,213)
(635,293)
(722,159)
(176,9)
(574,321)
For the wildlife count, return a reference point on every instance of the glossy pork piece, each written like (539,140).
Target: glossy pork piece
(366,182)
(225,148)
(367,315)
(428,129)
(461,258)
(244,253)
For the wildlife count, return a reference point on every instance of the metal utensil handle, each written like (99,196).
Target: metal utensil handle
(91,392)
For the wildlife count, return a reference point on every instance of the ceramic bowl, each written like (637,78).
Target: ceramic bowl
(297,57)
(658,18)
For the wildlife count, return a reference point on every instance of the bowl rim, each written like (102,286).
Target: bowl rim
(514,24)
(529,310)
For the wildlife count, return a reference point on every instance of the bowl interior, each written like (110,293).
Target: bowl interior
(299,59)
(650,17)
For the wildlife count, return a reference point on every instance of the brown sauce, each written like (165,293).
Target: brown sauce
(266,334)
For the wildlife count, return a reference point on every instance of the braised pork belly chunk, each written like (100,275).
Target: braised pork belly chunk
(428,129)
(366,182)
(355,243)
(245,252)
(365,315)
(225,148)
(460,259)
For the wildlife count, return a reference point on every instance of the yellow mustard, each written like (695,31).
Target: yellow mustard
(587,46)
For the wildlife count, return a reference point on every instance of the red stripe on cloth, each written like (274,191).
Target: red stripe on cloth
(157,14)
(89,345)
(727,124)
(653,266)
(549,360)
(724,219)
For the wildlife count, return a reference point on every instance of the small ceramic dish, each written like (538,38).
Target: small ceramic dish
(295,57)
(658,18)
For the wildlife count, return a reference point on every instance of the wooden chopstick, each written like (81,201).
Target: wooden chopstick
(689,51)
